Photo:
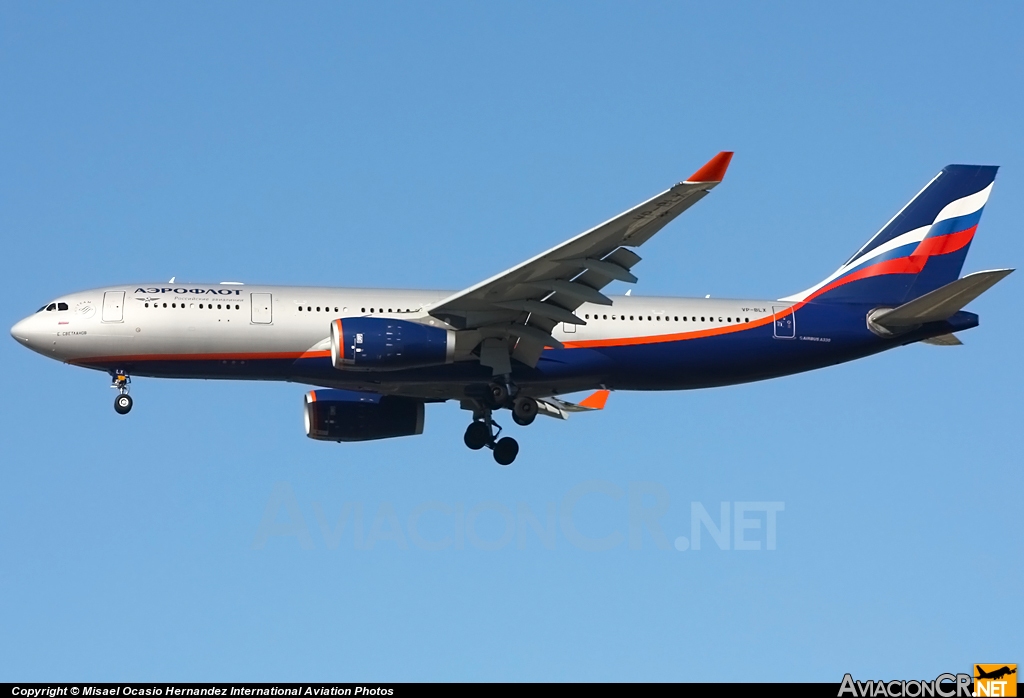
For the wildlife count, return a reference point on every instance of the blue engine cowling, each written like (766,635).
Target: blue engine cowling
(386,344)
(347,415)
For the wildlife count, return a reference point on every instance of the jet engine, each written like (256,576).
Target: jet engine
(347,415)
(385,344)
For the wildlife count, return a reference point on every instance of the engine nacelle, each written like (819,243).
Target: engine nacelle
(347,415)
(385,344)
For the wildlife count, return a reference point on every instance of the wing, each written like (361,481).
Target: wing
(554,407)
(515,311)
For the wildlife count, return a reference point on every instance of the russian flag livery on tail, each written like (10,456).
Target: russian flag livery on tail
(522,339)
(922,248)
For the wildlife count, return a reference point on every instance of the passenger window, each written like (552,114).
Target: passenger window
(147,305)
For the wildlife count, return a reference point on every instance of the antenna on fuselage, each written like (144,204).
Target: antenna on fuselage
(172,280)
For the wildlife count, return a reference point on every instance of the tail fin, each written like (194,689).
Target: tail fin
(921,249)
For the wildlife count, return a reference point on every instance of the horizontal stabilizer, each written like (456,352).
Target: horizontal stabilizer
(943,340)
(941,303)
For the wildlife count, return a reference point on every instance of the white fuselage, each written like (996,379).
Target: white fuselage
(189,320)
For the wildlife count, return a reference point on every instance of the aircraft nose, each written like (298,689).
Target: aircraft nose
(22,332)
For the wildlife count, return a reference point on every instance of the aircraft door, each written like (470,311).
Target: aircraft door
(785,325)
(113,306)
(262,308)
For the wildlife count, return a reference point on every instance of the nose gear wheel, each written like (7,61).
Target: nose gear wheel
(123,401)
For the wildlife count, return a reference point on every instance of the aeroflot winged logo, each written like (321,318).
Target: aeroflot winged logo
(195,291)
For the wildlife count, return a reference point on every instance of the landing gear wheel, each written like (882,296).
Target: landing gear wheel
(478,435)
(123,404)
(506,450)
(498,396)
(524,411)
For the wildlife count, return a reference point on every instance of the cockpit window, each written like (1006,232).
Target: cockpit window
(51,306)
(62,306)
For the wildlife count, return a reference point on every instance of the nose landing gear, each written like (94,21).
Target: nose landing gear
(123,404)
(123,401)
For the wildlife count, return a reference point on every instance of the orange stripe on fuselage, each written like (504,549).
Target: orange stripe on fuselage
(678,336)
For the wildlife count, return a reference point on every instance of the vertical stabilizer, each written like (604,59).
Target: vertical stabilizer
(922,248)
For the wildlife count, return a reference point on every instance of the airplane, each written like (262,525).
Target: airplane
(995,674)
(523,338)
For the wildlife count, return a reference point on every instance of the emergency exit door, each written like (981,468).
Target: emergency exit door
(262,308)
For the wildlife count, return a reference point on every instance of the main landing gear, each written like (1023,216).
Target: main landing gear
(484,431)
(123,401)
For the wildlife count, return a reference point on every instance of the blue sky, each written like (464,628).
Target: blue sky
(414,146)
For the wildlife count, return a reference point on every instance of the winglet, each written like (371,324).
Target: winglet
(714,170)
(596,401)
